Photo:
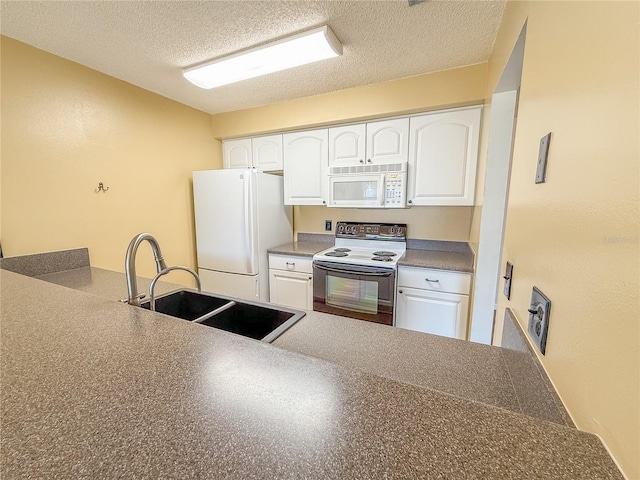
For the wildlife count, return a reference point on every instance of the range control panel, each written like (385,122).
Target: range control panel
(372,231)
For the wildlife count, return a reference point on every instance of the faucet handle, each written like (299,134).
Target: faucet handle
(127,300)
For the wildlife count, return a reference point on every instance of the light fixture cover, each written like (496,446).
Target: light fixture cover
(306,47)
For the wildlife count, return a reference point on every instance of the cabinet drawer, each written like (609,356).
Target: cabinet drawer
(292,264)
(436,280)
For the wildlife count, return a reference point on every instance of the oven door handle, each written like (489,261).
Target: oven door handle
(366,274)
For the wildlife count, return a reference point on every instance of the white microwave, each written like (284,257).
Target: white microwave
(368,186)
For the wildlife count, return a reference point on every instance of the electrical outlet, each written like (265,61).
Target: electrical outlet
(508,275)
(327,225)
(541,169)
(539,311)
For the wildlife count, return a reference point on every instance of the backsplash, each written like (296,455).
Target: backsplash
(434,223)
(534,390)
(44,263)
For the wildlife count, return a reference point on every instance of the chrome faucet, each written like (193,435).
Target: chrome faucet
(130,265)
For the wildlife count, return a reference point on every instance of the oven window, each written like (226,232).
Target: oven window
(355,190)
(352,294)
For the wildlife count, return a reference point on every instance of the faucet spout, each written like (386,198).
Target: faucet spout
(130,264)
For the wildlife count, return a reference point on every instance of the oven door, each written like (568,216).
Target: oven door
(355,291)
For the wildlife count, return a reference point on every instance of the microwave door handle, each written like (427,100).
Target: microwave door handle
(382,190)
(366,274)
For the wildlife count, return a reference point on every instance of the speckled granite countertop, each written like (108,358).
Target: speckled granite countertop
(300,248)
(459,259)
(468,370)
(94,388)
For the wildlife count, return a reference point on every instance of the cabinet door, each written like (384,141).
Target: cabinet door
(267,153)
(306,156)
(432,312)
(291,289)
(237,153)
(347,145)
(388,141)
(443,154)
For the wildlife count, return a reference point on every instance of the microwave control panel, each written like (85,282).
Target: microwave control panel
(395,189)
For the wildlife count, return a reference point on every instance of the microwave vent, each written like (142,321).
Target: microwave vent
(375,168)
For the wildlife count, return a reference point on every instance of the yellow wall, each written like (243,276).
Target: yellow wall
(446,89)
(434,223)
(65,128)
(576,236)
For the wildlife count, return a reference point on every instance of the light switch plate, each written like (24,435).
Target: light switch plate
(539,311)
(508,275)
(541,169)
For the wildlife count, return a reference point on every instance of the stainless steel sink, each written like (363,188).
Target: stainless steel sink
(260,321)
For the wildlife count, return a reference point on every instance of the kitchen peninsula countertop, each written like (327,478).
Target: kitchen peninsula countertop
(96,388)
(455,256)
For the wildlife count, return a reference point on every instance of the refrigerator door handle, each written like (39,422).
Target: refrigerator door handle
(247,223)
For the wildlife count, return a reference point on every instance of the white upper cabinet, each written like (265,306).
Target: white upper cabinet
(443,155)
(267,153)
(263,153)
(440,149)
(237,153)
(386,141)
(306,156)
(347,145)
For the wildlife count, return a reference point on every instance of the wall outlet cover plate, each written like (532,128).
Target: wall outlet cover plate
(327,225)
(541,169)
(508,275)
(539,311)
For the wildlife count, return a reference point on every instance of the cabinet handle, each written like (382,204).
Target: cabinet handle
(361,161)
(310,278)
(399,291)
(293,264)
(369,161)
(409,201)
(432,281)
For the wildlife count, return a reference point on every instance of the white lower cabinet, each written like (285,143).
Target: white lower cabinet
(291,281)
(433,301)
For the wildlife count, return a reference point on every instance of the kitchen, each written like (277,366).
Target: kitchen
(107,130)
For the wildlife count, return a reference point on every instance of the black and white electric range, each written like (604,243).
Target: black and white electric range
(356,277)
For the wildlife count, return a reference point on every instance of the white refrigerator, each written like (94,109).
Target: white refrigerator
(239,214)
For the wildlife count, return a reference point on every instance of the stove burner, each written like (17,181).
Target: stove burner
(335,253)
(382,259)
(384,254)
(342,249)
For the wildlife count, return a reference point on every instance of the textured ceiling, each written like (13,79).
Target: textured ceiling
(147,43)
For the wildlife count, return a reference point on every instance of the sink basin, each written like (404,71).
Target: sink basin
(252,321)
(186,304)
(255,320)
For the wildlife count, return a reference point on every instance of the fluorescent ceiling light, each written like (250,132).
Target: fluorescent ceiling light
(307,47)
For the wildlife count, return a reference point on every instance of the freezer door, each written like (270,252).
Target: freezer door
(239,286)
(224,204)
